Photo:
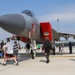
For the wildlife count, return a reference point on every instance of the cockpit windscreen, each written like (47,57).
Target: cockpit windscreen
(29,13)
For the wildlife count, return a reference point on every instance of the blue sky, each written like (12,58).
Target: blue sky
(45,10)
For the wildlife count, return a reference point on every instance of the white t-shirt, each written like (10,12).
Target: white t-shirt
(9,47)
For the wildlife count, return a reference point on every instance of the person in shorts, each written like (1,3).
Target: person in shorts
(9,52)
(15,50)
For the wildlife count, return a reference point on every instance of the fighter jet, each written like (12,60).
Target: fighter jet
(25,26)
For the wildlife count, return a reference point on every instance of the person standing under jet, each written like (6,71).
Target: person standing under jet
(53,48)
(70,47)
(47,46)
(28,48)
(2,43)
(60,48)
(4,49)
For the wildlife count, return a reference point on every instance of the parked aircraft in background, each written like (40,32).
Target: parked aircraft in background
(25,27)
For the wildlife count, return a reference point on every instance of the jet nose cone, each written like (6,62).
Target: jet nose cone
(13,23)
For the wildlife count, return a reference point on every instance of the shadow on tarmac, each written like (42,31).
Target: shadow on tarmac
(57,53)
(23,57)
(43,61)
(72,60)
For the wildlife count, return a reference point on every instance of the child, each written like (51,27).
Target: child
(15,50)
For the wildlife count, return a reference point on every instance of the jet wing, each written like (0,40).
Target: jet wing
(66,35)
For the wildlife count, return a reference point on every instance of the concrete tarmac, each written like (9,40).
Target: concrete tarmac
(60,64)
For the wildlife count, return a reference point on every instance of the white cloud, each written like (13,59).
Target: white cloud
(66,16)
(64,13)
(61,16)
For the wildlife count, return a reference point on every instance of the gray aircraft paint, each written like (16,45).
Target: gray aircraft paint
(13,23)
(29,20)
(20,24)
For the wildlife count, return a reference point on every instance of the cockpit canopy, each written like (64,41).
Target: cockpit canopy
(29,13)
